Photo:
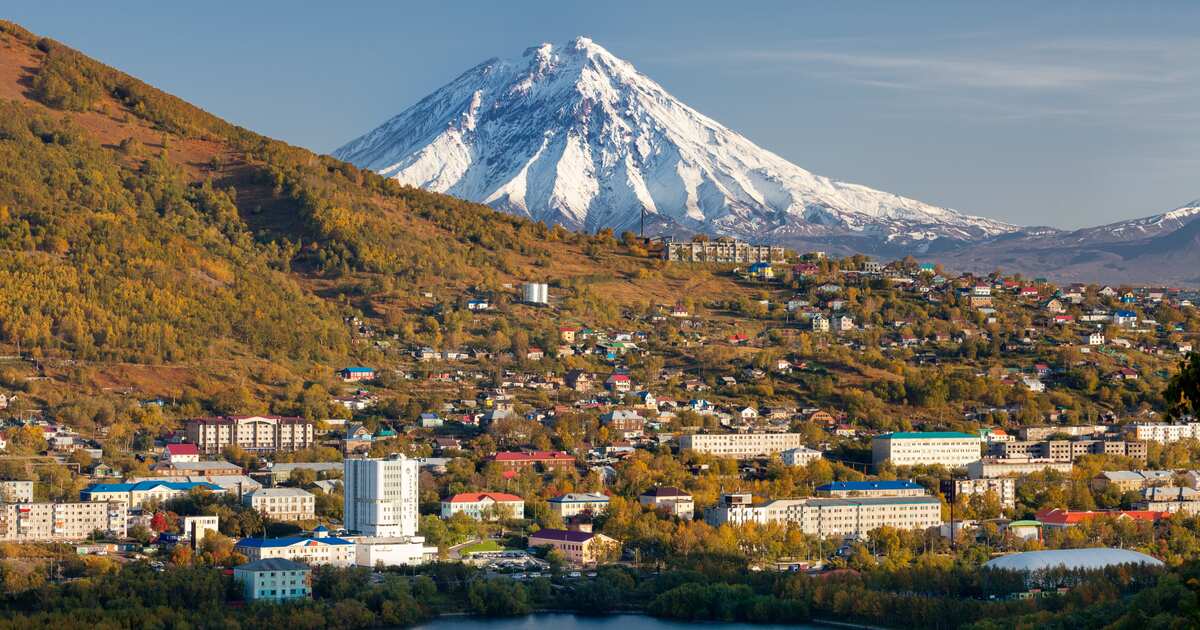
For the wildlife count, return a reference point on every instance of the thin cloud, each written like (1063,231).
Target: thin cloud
(946,71)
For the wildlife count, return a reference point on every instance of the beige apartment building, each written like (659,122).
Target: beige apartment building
(741,445)
(16,491)
(948,448)
(282,504)
(1005,489)
(252,433)
(723,250)
(29,522)
(993,468)
(1164,433)
(834,517)
(1068,450)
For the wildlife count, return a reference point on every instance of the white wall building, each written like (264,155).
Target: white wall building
(1164,433)
(195,528)
(837,518)
(741,445)
(373,552)
(16,491)
(993,468)
(947,448)
(282,504)
(381,496)
(337,552)
(799,456)
(489,506)
(27,522)
(1004,487)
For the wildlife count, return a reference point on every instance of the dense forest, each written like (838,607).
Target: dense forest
(710,588)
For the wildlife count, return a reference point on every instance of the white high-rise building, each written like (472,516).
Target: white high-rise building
(381,496)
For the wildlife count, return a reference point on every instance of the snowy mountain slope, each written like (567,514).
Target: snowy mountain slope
(571,134)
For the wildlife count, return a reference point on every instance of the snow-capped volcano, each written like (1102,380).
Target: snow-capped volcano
(571,134)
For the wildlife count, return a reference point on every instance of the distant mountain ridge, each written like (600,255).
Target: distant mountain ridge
(1158,249)
(573,135)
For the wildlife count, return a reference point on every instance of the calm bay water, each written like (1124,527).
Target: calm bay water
(575,622)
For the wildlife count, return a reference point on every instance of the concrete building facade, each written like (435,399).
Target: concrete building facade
(282,504)
(381,496)
(741,445)
(948,448)
(258,434)
(29,522)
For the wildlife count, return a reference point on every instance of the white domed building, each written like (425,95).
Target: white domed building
(1071,559)
(1060,568)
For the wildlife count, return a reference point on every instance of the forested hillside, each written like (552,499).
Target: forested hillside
(140,229)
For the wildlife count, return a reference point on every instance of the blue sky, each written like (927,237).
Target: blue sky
(1066,114)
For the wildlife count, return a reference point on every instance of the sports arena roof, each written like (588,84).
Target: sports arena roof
(1094,558)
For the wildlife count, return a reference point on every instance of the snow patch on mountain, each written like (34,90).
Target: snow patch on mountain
(572,134)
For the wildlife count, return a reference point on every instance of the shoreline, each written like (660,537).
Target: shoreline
(846,625)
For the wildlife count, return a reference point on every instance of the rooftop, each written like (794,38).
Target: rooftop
(580,497)
(1094,558)
(143,486)
(867,486)
(475,497)
(290,541)
(280,492)
(665,491)
(926,435)
(272,564)
(562,535)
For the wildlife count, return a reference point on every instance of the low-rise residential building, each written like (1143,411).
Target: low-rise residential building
(175,453)
(672,500)
(1005,489)
(273,579)
(723,250)
(311,550)
(138,494)
(543,460)
(282,504)
(1131,480)
(1164,433)
(195,528)
(356,373)
(990,468)
(257,434)
(741,445)
(1170,499)
(16,491)
(831,517)
(30,522)
(579,548)
(484,506)
(799,456)
(908,448)
(574,503)
(1067,450)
